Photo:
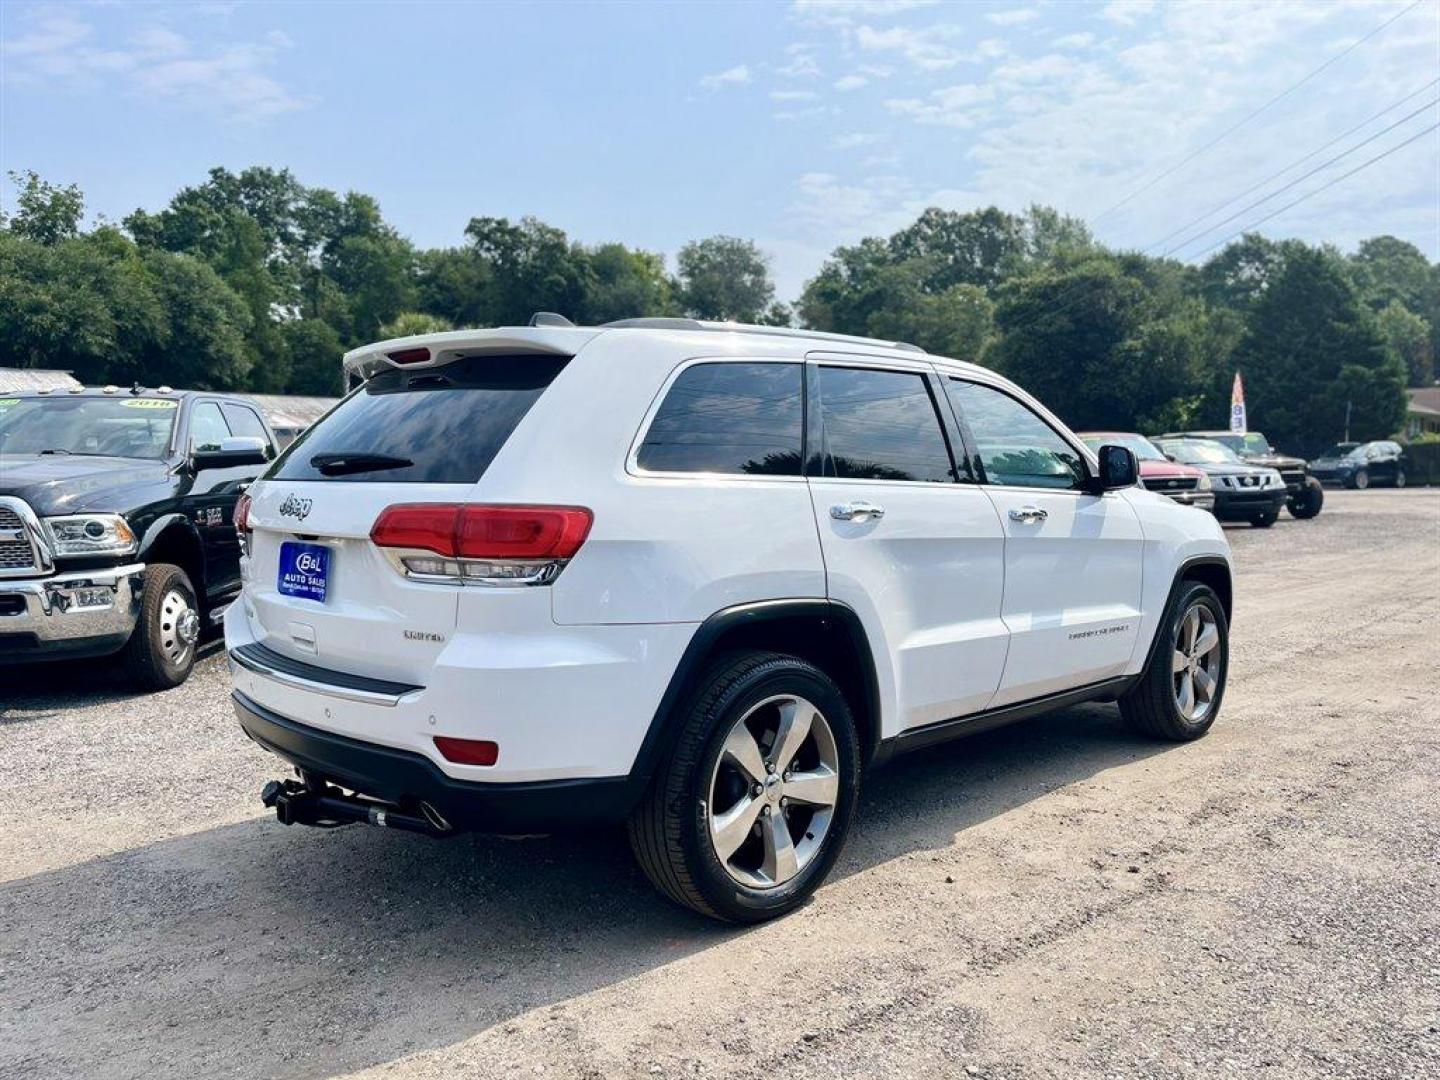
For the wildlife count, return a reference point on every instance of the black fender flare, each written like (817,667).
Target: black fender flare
(1181,575)
(664,725)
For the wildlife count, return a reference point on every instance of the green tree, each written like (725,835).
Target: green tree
(532,267)
(1388,270)
(625,284)
(1408,337)
(46,212)
(1310,350)
(726,278)
(411,323)
(315,351)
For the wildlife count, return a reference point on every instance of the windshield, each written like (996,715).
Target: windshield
(1251,443)
(1199,452)
(1340,450)
(1140,446)
(129,427)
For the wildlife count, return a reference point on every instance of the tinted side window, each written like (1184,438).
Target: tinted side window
(880,425)
(243,421)
(439,425)
(728,418)
(207,427)
(1015,445)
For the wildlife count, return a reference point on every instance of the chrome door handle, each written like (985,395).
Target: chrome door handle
(1028,514)
(852,510)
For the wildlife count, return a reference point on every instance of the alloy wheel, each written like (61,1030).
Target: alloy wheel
(1196,665)
(773,791)
(179,627)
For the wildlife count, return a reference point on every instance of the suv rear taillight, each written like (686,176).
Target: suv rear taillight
(242,523)
(481,545)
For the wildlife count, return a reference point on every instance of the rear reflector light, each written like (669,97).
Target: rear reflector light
(242,514)
(468,751)
(481,545)
(419,355)
(484,532)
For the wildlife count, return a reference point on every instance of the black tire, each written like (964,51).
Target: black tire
(1150,706)
(670,830)
(151,658)
(1307,504)
(1360,481)
(1265,520)
(1399,478)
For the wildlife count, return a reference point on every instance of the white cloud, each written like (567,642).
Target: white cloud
(793,115)
(926,49)
(1075,41)
(793,95)
(1127,12)
(1013,17)
(157,63)
(851,82)
(855,140)
(961,106)
(802,63)
(844,9)
(738,75)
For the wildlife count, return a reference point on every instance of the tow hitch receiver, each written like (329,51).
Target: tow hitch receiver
(324,806)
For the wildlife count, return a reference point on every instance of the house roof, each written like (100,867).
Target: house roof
(291,410)
(17,379)
(1425,399)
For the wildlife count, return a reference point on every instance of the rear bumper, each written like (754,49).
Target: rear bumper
(406,779)
(43,619)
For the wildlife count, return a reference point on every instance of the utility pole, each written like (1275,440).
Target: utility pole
(1347,421)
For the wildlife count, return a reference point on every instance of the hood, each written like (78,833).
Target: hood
(1166,470)
(1228,469)
(1275,461)
(66,483)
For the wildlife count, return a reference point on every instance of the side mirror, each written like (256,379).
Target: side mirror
(1118,469)
(234,451)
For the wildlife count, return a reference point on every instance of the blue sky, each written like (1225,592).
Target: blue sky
(802,125)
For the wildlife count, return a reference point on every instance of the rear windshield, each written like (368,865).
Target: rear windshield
(435,426)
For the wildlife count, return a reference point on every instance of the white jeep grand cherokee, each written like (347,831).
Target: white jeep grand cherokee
(697,578)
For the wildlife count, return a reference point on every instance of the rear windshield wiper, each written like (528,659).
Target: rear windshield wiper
(341,464)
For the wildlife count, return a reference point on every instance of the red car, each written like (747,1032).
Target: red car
(1183,483)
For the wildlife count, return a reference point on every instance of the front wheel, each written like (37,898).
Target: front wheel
(1360,481)
(1179,692)
(1399,478)
(748,814)
(161,651)
(1308,503)
(1265,520)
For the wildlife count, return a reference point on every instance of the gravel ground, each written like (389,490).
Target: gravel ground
(1057,899)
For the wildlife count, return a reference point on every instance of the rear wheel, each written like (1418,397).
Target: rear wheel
(1308,503)
(1179,692)
(161,651)
(749,813)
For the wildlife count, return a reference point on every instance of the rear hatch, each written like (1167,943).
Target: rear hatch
(320,588)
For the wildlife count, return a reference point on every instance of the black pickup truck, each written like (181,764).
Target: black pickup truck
(117,527)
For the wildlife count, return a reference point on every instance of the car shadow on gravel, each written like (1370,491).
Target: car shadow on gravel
(252,949)
(37,691)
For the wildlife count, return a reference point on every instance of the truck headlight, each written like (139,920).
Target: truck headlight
(90,534)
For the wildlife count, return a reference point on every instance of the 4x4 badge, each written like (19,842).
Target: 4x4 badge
(295,507)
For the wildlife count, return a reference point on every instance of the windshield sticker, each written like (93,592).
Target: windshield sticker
(5,403)
(149,403)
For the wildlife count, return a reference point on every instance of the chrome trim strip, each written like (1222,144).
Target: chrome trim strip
(43,562)
(367,697)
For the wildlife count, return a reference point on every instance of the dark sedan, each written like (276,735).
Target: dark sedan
(1242,492)
(1359,465)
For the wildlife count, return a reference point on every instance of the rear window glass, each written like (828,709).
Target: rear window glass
(743,418)
(433,426)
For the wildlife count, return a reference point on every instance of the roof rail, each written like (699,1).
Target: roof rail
(660,323)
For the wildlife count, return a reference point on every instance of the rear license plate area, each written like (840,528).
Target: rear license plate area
(304,570)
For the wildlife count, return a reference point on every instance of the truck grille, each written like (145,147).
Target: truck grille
(15,551)
(1169,484)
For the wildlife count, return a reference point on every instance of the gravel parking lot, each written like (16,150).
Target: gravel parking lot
(1054,899)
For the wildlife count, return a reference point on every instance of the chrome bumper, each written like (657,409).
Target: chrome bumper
(68,609)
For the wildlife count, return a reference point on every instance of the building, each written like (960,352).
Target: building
(1422,412)
(15,380)
(289,414)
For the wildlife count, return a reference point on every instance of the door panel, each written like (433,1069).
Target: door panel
(1072,589)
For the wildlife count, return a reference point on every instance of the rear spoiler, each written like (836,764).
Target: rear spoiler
(434,350)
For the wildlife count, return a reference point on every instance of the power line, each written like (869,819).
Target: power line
(1322,187)
(1280,172)
(1304,176)
(1251,116)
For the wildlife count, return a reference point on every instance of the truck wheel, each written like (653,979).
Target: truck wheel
(749,813)
(161,652)
(1361,480)
(1308,503)
(1265,520)
(1179,692)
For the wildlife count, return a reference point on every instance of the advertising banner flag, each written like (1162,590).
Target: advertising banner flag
(1237,406)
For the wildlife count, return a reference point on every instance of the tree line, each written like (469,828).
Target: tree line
(254,281)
